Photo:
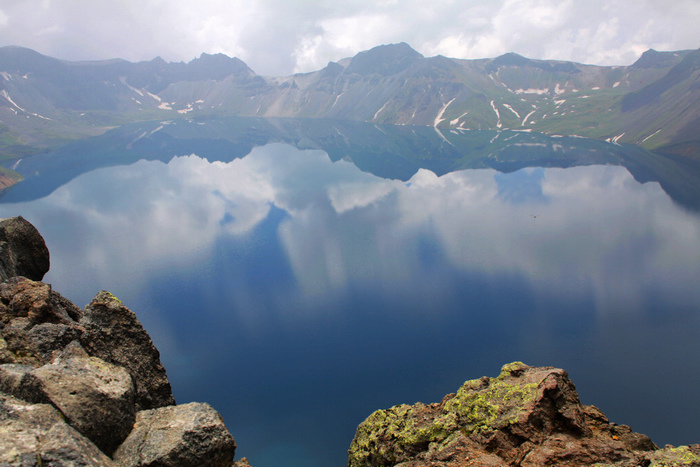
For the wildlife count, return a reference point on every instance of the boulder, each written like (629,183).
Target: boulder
(36,434)
(527,416)
(188,435)
(96,397)
(19,381)
(23,251)
(36,301)
(114,334)
(36,323)
(72,380)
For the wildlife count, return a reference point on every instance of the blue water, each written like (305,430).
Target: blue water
(297,295)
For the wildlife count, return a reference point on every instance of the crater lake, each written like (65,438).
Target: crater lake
(300,274)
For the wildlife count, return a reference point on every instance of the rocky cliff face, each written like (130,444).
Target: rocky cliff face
(525,417)
(86,387)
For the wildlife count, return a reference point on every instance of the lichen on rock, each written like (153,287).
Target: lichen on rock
(526,416)
(669,456)
(491,403)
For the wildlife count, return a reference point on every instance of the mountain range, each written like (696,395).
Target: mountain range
(654,103)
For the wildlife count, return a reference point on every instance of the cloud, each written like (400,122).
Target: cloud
(279,37)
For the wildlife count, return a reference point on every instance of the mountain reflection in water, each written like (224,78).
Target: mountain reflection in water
(297,294)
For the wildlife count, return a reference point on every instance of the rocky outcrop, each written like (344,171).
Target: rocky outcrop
(86,387)
(113,333)
(527,417)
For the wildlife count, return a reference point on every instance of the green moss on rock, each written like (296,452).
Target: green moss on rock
(489,404)
(394,435)
(105,295)
(674,456)
(388,436)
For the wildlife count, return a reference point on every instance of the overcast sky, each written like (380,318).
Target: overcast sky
(280,37)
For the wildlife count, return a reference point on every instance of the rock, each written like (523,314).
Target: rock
(23,251)
(37,302)
(50,339)
(688,456)
(19,381)
(97,398)
(35,434)
(114,334)
(15,344)
(189,435)
(35,322)
(526,416)
(72,381)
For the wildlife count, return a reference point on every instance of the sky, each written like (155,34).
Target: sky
(281,37)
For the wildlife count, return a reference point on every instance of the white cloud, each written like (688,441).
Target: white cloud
(278,37)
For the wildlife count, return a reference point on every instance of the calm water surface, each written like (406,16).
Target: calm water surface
(297,295)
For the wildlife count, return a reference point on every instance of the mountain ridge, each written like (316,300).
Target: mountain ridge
(45,102)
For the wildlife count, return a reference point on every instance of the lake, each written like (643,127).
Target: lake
(299,274)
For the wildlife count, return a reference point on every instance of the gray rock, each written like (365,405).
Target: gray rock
(35,434)
(15,344)
(36,323)
(188,435)
(114,334)
(23,251)
(71,381)
(97,398)
(49,339)
(19,381)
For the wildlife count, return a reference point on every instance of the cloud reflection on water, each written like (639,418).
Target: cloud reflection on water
(592,229)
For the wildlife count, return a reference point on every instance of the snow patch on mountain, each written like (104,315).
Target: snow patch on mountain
(526,117)
(532,91)
(511,109)
(498,115)
(439,118)
(4,94)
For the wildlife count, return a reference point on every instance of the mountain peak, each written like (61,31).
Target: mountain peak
(216,66)
(517,60)
(655,59)
(16,58)
(384,59)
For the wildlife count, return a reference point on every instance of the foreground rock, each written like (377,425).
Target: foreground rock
(78,386)
(36,434)
(95,397)
(187,435)
(525,417)
(113,333)
(23,251)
